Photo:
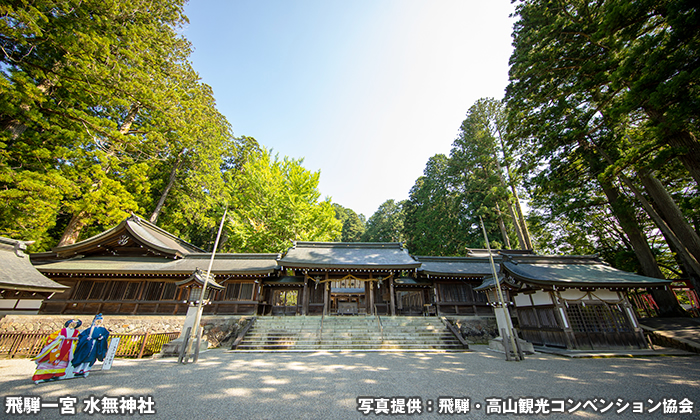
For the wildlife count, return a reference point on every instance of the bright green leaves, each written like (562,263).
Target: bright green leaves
(273,202)
(100,94)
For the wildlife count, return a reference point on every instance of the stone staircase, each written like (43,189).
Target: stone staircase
(355,333)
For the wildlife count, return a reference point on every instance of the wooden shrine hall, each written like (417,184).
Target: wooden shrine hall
(136,268)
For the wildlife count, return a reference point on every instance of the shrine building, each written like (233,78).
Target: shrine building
(136,268)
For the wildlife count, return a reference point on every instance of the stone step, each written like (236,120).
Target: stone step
(351,347)
(302,333)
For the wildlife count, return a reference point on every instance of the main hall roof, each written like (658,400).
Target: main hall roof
(349,255)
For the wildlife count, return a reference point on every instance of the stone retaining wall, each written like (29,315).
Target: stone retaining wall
(217,329)
(476,329)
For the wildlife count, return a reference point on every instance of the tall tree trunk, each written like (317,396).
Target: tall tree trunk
(516,222)
(684,141)
(72,232)
(502,226)
(520,221)
(166,191)
(668,209)
(689,260)
(130,118)
(523,224)
(625,214)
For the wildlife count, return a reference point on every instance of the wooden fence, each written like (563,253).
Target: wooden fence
(130,345)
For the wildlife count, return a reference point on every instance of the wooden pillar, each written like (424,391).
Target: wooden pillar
(305,297)
(371,298)
(627,307)
(326,293)
(560,313)
(392,302)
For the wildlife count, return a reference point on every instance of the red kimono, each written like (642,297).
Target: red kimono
(53,359)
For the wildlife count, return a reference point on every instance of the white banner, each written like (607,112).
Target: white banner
(111,352)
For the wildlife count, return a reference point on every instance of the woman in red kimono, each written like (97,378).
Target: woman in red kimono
(53,359)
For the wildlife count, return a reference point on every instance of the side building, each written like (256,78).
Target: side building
(574,302)
(22,287)
(135,267)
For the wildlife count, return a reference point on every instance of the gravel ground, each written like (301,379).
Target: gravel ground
(327,385)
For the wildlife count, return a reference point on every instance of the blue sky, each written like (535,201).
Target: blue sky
(363,90)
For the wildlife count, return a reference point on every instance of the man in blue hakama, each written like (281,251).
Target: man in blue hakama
(92,345)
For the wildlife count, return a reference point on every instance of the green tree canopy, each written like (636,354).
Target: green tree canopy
(594,98)
(98,108)
(273,202)
(386,224)
(353,224)
(432,225)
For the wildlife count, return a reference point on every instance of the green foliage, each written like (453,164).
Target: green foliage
(386,224)
(353,224)
(432,224)
(273,202)
(446,204)
(98,107)
(595,96)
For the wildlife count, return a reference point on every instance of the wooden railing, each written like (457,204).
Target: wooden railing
(242,333)
(130,345)
(379,322)
(320,328)
(454,332)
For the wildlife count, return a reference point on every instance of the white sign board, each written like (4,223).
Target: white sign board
(111,352)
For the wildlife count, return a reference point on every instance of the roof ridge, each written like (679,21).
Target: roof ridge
(235,255)
(310,244)
(141,221)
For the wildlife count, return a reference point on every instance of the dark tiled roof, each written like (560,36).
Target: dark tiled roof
(17,272)
(574,271)
(490,283)
(141,230)
(199,278)
(348,255)
(457,266)
(290,280)
(409,281)
(231,264)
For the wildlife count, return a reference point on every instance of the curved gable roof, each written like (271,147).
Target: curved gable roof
(146,234)
(574,271)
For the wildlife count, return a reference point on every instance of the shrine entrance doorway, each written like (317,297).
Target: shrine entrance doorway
(347,297)
(286,302)
(348,304)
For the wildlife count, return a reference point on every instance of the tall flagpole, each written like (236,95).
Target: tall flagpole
(200,307)
(506,315)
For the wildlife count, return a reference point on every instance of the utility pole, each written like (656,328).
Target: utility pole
(504,308)
(200,308)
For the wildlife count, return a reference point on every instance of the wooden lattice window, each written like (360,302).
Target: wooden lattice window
(82,290)
(239,291)
(169,290)
(527,317)
(597,318)
(115,291)
(132,290)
